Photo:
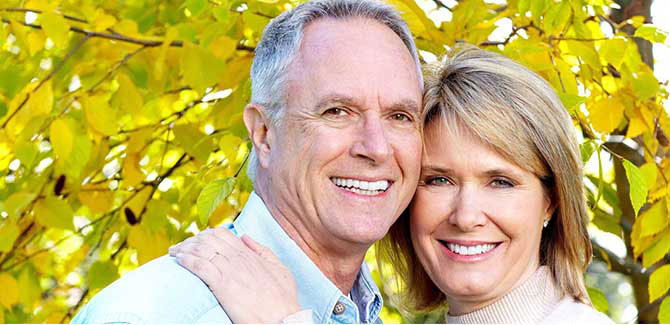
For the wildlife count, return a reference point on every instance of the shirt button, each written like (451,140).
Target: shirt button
(339,308)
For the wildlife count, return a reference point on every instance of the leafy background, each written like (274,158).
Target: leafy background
(121,133)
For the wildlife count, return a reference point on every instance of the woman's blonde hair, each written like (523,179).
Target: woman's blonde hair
(516,113)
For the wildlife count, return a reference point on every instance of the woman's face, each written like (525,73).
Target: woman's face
(476,220)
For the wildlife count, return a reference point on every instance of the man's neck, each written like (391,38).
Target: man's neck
(340,262)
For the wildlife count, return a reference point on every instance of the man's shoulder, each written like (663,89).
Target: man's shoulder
(159,291)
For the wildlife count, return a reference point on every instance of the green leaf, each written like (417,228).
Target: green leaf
(645,85)
(3,109)
(53,212)
(664,311)
(638,186)
(587,149)
(606,114)
(101,274)
(31,291)
(56,27)
(598,299)
(651,33)
(16,202)
(659,282)
(196,7)
(8,234)
(655,219)
(212,195)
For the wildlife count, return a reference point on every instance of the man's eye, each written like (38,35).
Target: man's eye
(438,180)
(401,117)
(336,111)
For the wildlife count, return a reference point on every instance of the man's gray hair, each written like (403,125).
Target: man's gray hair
(281,40)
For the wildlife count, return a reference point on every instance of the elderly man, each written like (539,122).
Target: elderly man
(335,124)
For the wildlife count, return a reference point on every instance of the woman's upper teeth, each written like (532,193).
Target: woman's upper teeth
(470,250)
(363,185)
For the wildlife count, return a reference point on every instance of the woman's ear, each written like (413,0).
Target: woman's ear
(259,132)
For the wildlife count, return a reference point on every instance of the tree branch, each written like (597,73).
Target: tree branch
(79,20)
(48,77)
(121,38)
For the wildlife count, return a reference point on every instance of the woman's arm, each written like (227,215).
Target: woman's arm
(248,280)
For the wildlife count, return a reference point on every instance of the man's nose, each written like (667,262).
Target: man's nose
(372,141)
(468,209)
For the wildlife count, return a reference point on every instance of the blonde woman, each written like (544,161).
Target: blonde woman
(497,227)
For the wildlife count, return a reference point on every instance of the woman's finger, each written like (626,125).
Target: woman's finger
(201,267)
(259,249)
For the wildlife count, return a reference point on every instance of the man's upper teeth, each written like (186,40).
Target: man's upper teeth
(363,185)
(470,250)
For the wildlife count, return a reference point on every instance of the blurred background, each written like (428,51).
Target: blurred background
(121,134)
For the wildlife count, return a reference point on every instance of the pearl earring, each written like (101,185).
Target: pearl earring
(546,223)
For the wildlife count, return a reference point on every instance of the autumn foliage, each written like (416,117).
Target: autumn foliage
(121,131)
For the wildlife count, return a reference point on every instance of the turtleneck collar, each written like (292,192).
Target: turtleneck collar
(530,302)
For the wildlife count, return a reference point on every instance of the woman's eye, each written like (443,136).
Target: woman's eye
(336,111)
(438,180)
(501,182)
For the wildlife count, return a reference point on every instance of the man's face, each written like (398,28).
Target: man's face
(345,160)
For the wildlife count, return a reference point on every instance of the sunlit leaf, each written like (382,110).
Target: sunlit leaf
(606,114)
(41,101)
(657,251)
(56,27)
(10,290)
(659,282)
(101,274)
(8,234)
(638,186)
(149,245)
(598,299)
(62,138)
(54,212)
(655,219)
(651,33)
(31,291)
(664,311)
(212,196)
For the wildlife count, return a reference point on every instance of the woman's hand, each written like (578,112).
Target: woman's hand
(248,280)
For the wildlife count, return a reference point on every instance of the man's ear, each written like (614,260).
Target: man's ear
(260,134)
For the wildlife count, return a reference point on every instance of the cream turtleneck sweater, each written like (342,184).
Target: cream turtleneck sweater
(535,301)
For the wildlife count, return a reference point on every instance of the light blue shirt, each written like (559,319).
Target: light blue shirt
(162,291)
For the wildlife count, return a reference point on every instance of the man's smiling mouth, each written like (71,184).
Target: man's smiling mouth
(361,187)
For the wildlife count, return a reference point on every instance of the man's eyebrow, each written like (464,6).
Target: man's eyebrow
(335,99)
(407,105)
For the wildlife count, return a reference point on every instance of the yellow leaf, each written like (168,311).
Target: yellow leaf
(102,21)
(159,67)
(55,27)
(635,127)
(55,213)
(223,47)
(149,245)
(568,78)
(606,114)
(131,172)
(659,282)
(16,202)
(649,172)
(138,140)
(8,234)
(655,219)
(609,84)
(2,316)
(100,116)
(137,203)
(30,288)
(61,137)
(658,250)
(129,98)
(98,198)
(613,51)
(36,42)
(41,101)
(10,290)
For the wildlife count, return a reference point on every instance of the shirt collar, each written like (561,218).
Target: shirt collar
(315,290)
